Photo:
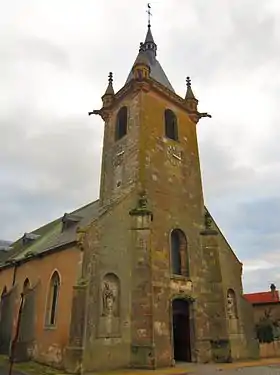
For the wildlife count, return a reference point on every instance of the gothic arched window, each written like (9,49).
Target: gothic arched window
(121,123)
(26,286)
(171,127)
(53,299)
(179,253)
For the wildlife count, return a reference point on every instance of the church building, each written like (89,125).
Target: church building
(141,277)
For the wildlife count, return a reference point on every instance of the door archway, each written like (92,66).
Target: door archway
(181,330)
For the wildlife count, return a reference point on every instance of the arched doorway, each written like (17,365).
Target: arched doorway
(181,330)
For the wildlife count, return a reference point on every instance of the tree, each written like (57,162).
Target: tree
(266,328)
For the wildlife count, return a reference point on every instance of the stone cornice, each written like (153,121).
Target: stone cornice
(136,85)
(146,85)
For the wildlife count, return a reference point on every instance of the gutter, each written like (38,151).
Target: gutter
(32,256)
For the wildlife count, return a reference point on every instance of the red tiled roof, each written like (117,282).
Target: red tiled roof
(262,297)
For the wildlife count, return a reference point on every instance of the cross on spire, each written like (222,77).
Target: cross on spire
(149,14)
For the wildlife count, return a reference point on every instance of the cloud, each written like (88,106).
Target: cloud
(44,173)
(54,62)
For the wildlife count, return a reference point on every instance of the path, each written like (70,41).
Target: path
(261,367)
(212,370)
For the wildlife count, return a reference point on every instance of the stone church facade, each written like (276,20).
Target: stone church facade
(142,277)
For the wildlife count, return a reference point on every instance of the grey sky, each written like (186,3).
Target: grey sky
(54,60)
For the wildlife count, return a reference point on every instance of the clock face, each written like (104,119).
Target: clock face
(174,155)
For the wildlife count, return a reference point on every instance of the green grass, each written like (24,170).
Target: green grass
(30,368)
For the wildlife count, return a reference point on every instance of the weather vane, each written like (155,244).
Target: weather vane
(149,14)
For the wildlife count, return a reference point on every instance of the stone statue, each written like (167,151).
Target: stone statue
(231,308)
(109,300)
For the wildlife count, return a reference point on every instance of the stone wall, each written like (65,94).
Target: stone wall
(37,340)
(108,258)
(175,194)
(241,329)
(120,166)
(271,350)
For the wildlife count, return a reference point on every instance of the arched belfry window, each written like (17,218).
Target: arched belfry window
(52,303)
(121,123)
(179,253)
(171,126)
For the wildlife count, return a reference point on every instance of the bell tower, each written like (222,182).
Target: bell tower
(151,185)
(150,134)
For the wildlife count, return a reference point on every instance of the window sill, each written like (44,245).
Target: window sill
(180,277)
(171,140)
(50,327)
(119,140)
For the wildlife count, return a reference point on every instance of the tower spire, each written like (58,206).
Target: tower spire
(189,93)
(149,14)
(147,56)
(190,99)
(108,96)
(110,89)
(149,44)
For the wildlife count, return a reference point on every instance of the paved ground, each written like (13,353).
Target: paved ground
(252,368)
(213,370)
(262,367)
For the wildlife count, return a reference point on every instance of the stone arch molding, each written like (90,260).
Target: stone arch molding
(110,290)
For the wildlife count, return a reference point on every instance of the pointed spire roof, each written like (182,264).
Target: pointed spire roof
(142,57)
(110,89)
(189,93)
(149,36)
(148,53)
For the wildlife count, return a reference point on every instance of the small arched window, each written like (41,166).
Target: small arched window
(171,127)
(53,299)
(121,124)
(179,255)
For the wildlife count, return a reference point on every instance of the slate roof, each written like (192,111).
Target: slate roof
(156,71)
(51,235)
(262,297)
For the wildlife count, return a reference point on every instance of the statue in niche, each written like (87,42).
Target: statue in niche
(231,305)
(110,296)
(108,300)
